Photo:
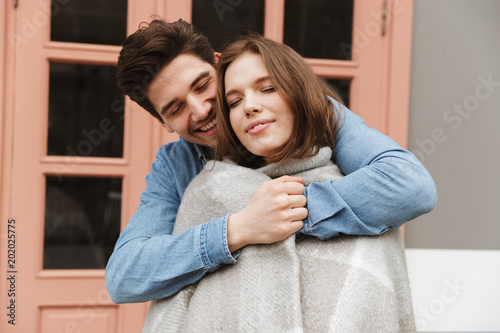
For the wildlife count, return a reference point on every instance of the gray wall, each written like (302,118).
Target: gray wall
(455,121)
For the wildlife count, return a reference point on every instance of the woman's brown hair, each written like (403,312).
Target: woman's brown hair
(315,122)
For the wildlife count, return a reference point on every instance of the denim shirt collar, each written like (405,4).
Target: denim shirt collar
(204,153)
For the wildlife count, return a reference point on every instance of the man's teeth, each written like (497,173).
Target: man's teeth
(209,126)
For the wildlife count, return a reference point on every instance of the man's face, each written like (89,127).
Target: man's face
(183,93)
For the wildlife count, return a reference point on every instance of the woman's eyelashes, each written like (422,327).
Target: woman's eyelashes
(268,89)
(234,103)
(265,90)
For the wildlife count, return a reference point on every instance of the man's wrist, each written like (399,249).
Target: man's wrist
(213,244)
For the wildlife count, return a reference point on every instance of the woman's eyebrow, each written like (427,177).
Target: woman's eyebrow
(256,82)
(262,79)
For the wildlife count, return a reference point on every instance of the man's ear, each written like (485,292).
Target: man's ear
(216,57)
(168,128)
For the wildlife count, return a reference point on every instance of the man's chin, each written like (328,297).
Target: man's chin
(208,139)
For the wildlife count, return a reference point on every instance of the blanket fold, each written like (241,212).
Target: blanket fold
(344,284)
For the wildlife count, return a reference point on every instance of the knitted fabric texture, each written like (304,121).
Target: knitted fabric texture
(344,284)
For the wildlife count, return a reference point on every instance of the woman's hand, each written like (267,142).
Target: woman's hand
(275,211)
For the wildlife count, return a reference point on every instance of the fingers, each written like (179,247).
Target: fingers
(287,179)
(297,201)
(296,226)
(285,184)
(298,214)
(291,188)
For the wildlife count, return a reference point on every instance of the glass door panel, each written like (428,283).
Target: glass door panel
(342,87)
(83,118)
(219,19)
(89,21)
(82,221)
(319,29)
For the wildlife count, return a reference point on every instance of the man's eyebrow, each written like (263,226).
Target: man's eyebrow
(256,82)
(191,86)
(199,78)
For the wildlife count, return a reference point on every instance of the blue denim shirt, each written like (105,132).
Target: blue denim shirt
(384,187)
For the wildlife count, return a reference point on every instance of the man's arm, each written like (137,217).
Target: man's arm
(384,186)
(150,263)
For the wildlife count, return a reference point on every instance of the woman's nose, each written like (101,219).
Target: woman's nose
(252,106)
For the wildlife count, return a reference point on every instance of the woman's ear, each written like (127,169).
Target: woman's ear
(216,57)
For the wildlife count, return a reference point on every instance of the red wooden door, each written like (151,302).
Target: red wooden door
(74,167)
(74,159)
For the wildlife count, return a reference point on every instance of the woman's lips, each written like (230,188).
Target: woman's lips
(258,126)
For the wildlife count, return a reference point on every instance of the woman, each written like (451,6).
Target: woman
(275,118)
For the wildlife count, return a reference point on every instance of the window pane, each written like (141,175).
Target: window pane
(85,111)
(342,87)
(318,28)
(218,19)
(82,221)
(89,21)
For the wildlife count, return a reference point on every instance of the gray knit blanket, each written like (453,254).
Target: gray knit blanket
(344,284)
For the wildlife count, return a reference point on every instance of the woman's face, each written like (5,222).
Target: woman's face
(261,119)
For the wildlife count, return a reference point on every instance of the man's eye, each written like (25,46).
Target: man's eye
(203,86)
(174,111)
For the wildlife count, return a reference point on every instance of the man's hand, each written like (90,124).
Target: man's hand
(274,212)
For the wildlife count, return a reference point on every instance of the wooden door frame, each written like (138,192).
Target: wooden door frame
(90,300)
(395,105)
(400,30)
(7,58)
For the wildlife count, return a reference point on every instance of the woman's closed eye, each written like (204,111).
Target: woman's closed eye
(233,103)
(268,89)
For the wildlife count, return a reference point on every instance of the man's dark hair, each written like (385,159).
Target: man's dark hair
(147,51)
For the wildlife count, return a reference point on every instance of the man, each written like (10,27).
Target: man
(168,69)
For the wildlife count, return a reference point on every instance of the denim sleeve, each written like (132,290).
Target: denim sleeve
(384,186)
(148,262)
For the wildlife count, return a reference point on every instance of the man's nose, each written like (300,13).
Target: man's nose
(199,108)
